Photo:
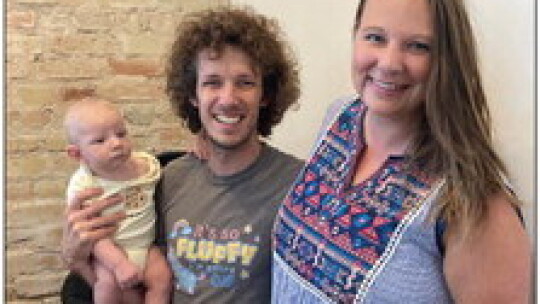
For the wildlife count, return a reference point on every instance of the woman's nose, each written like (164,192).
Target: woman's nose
(391,59)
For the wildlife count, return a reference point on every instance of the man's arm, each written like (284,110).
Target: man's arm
(83,227)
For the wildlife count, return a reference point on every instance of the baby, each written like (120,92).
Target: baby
(99,141)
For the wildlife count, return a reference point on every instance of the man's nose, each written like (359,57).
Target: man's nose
(228,93)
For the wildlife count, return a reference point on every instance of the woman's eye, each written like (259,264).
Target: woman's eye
(374,37)
(419,46)
(246,83)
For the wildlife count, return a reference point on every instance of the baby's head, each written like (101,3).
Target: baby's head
(97,135)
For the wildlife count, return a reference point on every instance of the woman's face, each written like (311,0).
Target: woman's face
(392,55)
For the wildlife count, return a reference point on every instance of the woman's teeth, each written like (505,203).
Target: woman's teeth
(387,85)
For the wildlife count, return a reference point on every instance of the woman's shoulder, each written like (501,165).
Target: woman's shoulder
(338,104)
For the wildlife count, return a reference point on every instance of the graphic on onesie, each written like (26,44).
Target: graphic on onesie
(135,197)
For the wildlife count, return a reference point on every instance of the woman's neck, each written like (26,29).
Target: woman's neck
(384,136)
(390,135)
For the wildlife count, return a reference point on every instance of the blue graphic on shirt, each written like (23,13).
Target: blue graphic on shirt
(186,280)
(202,255)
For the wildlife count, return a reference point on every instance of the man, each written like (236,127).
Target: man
(230,78)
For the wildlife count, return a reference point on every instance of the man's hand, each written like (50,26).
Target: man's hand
(83,226)
(200,147)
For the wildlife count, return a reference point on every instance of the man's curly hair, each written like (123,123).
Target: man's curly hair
(258,36)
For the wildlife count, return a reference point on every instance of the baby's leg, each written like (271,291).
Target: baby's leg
(157,278)
(113,257)
(106,290)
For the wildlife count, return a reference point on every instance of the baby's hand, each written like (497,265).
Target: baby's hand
(128,274)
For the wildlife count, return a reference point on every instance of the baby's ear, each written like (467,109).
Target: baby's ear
(73,152)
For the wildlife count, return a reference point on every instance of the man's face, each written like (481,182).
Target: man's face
(229,95)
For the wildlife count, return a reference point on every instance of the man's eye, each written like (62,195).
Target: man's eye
(211,83)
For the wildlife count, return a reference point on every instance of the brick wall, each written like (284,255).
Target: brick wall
(58,51)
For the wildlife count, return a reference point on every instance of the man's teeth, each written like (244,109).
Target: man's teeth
(227,119)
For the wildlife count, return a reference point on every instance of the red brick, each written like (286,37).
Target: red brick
(21,19)
(69,94)
(143,67)
(91,43)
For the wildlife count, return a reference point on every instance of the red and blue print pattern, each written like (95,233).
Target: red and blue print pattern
(331,233)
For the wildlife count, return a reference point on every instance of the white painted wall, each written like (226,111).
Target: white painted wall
(505,35)
(320,32)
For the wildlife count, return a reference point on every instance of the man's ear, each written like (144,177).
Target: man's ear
(73,152)
(263,103)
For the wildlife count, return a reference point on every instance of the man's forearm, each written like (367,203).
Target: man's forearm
(85,270)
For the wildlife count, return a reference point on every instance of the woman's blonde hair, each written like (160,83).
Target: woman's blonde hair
(455,139)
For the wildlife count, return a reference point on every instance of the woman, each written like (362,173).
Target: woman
(404,199)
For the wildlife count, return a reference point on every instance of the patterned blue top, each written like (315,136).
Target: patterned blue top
(334,240)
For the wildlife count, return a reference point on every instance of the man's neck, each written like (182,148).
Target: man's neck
(225,162)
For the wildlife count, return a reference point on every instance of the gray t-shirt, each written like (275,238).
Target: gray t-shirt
(217,229)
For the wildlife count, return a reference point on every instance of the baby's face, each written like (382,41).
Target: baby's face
(103,141)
